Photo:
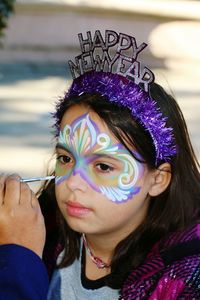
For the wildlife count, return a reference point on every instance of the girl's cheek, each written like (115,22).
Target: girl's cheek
(62,173)
(60,170)
(61,193)
(57,193)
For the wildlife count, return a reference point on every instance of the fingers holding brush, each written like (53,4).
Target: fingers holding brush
(21,220)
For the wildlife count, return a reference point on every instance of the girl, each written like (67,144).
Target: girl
(128,195)
(122,216)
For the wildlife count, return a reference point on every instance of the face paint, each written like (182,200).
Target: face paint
(83,140)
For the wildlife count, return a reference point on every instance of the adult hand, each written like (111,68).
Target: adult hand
(21,220)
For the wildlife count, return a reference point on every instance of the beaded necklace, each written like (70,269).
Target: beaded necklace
(96,260)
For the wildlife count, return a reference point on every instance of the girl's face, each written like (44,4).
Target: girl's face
(100,187)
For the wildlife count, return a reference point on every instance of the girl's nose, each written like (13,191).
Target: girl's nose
(77,182)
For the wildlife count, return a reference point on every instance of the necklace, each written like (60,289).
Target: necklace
(98,261)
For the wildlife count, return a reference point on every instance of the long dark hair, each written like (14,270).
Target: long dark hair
(177,207)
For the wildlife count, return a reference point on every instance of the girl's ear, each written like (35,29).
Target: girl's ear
(162,178)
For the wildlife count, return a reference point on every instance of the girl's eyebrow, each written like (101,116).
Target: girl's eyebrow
(93,156)
(104,155)
(63,147)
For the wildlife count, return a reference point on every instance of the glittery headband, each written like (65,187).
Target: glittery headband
(126,93)
(122,81)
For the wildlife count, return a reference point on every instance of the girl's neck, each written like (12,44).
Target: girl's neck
(101,249)
(102,246)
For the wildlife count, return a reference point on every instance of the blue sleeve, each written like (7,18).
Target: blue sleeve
(23,275)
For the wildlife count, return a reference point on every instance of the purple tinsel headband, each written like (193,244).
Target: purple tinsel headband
(119,77)
(126,93)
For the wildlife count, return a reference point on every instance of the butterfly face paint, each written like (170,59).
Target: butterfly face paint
(107,167)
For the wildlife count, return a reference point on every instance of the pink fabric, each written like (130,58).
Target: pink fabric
(171,270)
(167,289)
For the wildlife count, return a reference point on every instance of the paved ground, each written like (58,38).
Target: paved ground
(27,96)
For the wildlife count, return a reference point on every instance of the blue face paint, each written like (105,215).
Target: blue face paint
(90,150)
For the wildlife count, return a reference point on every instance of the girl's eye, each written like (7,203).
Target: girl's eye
(64,159)
(104,168)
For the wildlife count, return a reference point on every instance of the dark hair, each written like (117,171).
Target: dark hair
(174,209)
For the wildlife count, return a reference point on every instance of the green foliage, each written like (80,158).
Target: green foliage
(6,7)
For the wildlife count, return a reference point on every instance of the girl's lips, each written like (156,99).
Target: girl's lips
(76,209)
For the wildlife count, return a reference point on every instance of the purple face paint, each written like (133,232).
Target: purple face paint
(89,148)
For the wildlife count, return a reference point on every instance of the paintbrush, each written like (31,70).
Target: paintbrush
(37,179)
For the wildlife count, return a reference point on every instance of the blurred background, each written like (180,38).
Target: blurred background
(41,36)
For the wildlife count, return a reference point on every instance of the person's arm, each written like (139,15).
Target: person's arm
(22,237)
(22,274)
